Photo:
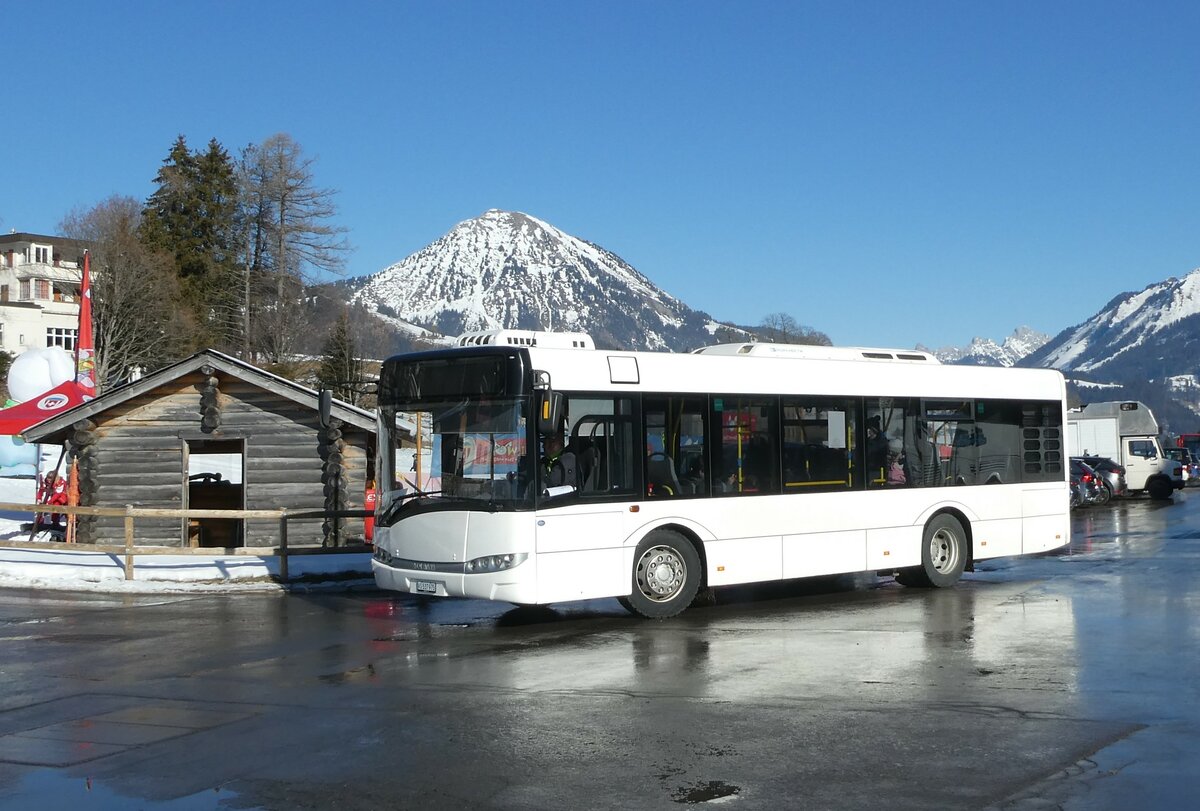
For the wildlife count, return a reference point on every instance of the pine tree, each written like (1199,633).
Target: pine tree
(217,189)
(341,369)
(192,216)
(6,360)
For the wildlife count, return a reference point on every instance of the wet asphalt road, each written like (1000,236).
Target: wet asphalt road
(1063,681)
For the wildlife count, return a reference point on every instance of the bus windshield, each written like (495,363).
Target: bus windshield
(471,449)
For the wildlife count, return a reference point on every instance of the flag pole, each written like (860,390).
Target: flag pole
(85,345)
(85,377)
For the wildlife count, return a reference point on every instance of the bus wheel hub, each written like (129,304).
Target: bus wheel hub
(662,574)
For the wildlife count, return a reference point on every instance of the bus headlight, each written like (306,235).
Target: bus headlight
(495,563)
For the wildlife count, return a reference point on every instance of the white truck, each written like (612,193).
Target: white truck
(1127,433)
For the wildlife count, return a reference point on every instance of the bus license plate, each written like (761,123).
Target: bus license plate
(425,586)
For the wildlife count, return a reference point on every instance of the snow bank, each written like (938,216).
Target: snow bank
(77,568)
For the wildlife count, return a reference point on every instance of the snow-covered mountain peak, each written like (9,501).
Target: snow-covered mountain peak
(1130,325)
(507,269)
(986,352)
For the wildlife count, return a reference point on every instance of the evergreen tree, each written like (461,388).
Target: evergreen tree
(218,192)
(192,216)
(6,360)
(341,369)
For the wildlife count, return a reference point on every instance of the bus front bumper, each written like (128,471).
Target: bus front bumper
(508,586)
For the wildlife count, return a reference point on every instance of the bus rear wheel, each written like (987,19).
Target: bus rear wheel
(666,575)
(943,555)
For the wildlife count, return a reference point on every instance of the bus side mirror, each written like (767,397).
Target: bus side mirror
(550,412)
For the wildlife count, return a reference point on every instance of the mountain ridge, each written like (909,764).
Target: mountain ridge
(986,352)
(1143,345)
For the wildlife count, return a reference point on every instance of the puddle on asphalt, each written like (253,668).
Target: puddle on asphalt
(366,672)
(49,789)
(713,791)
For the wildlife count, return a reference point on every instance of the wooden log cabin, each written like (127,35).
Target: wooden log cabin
(214,432)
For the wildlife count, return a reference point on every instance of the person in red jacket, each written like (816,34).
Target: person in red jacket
(53,491)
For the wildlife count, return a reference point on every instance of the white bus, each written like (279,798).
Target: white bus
(734,464)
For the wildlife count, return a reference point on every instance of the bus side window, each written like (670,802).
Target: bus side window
(819,442)
(746,445)
(674,437)
(602,439)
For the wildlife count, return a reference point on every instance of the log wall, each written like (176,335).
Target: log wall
(134,454)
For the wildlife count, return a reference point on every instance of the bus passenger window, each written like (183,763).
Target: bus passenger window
(601,437)
(819,440)
(674,438)
(886,460)
(746,446)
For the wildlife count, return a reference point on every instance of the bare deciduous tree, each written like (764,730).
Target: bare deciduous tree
(289,235)
(781,328)
(137,320)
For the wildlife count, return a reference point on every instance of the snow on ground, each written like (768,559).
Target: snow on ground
(71,567)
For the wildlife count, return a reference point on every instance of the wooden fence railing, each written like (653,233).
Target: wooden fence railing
(132,513)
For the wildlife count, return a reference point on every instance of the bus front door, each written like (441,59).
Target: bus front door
(579,553)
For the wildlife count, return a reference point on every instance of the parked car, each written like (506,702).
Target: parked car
(1112,475)
(1191,467)
(1091,489)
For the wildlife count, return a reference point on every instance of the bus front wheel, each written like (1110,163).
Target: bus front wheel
(666,575)
(943,555)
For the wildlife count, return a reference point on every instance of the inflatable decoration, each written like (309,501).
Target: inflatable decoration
(35,371)
(32,373)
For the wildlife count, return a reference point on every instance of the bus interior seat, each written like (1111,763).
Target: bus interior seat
(691,475)
(660,475)
(587,456)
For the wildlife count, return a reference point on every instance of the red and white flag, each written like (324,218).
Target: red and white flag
(85,346)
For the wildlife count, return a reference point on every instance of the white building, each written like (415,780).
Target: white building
(39,291)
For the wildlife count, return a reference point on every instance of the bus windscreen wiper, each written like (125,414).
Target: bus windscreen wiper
(397,504)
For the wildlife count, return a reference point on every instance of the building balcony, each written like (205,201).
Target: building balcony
(65,272)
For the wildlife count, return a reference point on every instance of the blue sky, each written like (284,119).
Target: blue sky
(889,173)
